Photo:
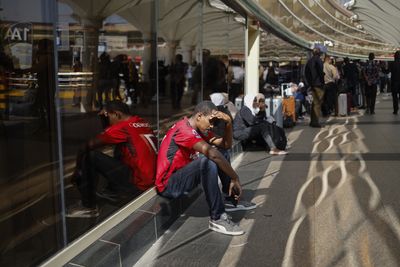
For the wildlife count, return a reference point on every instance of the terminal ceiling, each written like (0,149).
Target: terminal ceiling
(301,23)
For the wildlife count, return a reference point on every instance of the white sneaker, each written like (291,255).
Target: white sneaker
(224,225)
(280,152)
(129,101)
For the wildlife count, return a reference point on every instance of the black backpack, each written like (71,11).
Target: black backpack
(278,136)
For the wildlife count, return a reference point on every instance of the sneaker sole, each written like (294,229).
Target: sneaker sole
(217,228)
(228,208)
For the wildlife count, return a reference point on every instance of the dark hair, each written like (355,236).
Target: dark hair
(316,51)
(116,105)
(205,107)
(179,57)
(371,56)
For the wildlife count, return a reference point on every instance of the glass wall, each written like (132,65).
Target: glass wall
(179,31)
(61,61)
(30,221)
(105,52)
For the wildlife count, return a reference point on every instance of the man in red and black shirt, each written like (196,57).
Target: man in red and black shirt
(187,157)
(132,169)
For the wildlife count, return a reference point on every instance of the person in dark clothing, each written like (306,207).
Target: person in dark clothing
(395,76)
(104,81)
(248,126)
(211,74)
(77,98)
(44,68)
(371,75)
(272,77)
(131,77)
(178,80)
(315,79)
(116,69)
(351,75)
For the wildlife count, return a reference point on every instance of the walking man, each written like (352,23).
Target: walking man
(371,75)
(315,79)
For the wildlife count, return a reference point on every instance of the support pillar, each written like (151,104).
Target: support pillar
(89,58)
(187,52)
(252,49)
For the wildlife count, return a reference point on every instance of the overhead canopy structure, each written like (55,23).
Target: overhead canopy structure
(380,18)
(369,26)
(307,22)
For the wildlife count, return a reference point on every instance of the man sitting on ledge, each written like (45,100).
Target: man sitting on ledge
(187,158)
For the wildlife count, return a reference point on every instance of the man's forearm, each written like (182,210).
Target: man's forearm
(223,164)
(228,135)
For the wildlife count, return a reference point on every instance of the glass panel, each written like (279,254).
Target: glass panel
(29,222)
(106,51)
(281,58)
(220,28)
(179,31)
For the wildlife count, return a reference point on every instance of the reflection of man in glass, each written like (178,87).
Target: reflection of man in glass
(131,170)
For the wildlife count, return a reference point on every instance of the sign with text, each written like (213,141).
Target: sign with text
(18,40)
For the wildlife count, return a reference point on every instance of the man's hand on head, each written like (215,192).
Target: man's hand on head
(219,115)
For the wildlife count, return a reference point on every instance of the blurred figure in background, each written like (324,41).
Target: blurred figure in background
(77,98)
(395,79)
(315,78)
(371,75)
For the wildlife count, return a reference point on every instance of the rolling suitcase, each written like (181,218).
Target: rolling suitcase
(342,105)
(289,107)
(277,111)
(239,102)
(268,110)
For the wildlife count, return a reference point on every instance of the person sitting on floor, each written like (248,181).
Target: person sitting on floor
(132,169)
(248,126)
(187,157)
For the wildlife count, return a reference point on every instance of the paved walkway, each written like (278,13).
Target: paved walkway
(333,201)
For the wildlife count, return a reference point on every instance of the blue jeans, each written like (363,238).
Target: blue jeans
(187,178)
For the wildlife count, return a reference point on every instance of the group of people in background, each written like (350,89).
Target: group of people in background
(359,80)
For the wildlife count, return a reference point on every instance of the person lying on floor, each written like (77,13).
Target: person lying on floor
(248,125)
